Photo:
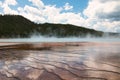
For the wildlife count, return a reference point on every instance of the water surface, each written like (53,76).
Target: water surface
(61,61)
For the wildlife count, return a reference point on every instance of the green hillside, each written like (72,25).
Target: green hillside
(18,26)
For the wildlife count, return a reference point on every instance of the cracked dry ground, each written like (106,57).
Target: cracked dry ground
(60,61)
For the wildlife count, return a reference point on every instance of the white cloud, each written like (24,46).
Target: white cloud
(0,3)
(103,14)
(32,14)
(67,6)
(50,14)
(37,3)
(100,9)
(71,18)
(108,26)
(6,9)
(32,10)
(10,2)
(46,14)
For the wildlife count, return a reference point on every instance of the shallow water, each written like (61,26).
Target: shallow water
(62,61)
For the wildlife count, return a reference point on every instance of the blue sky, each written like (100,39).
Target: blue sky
(95,14)
(79,5)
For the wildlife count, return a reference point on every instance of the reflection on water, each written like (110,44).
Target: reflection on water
(71,61)
(8,55)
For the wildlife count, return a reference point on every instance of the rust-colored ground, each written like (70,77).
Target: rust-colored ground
(60,61)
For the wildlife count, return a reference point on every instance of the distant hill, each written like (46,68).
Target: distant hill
(12,26)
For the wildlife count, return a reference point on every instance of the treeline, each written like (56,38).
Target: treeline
(18,26)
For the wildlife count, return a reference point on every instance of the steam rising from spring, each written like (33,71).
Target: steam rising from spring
(39,38)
